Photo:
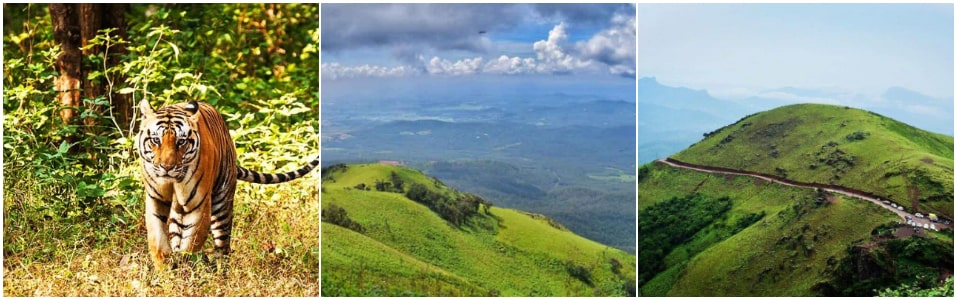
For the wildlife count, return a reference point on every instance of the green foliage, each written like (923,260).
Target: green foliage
(256,63)
(338,215)
(453,208)
(945,289)
(909,265)
(857,136)
(579,272)
(670,223)
(643,173)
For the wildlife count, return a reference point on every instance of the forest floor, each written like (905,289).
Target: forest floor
(275,250)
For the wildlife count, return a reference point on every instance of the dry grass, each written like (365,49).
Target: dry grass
(275,250)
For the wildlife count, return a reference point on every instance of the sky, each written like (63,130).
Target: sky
(420,42)
(741,50)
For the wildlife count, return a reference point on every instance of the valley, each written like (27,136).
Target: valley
(564,154)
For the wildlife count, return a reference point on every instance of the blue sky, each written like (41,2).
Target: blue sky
(742,50)
(423,41)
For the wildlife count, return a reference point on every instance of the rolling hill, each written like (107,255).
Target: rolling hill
(378,241)
(707,234)
(840,146)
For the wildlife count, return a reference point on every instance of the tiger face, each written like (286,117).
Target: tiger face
(168,140)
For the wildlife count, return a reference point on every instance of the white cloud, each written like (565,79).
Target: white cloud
(614,46)
(336,71)
(466,66)
(552,56)
(510,65)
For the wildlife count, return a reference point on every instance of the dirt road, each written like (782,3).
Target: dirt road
(903,214)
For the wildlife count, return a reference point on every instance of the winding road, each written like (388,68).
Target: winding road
(903,214)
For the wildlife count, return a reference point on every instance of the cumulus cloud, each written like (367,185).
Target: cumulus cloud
(466,66)
(510,65)
(614,46)
(336,71)
(551,53)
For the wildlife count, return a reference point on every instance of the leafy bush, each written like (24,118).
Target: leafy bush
(338,215)
(579,272)
(857,136)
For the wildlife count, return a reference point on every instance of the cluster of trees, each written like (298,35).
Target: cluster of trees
(453,208)
(670,223)
(913,263)
(337,215)
(394,185)
(328,171)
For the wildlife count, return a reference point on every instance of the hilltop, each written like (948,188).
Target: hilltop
(840,146)
(378,241)
(709,234)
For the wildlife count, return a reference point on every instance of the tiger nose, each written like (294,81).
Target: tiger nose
(166,167)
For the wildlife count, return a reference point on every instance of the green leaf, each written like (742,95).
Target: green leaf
(64,147)
(179,76)
(126,90)
(175,49)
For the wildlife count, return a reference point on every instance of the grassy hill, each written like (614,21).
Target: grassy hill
(703,234)
(838,145)
(402,247)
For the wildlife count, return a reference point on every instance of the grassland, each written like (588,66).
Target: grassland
(406,249)
(795,245)
(838,145)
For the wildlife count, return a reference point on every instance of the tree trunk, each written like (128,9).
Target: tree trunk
(74,25)
(66,33)
(122,108)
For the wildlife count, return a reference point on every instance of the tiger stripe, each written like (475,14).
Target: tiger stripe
(189,171)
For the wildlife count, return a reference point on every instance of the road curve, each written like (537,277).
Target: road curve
(903,214)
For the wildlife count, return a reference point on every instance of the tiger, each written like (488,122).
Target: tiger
(189,171)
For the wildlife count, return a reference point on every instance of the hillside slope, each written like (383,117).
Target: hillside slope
(772,240)
(406,248)
(841,146)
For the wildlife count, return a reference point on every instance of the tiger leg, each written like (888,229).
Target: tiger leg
(221,224)
(188,228)
(157,213)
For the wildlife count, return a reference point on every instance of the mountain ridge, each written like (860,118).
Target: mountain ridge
(837,145)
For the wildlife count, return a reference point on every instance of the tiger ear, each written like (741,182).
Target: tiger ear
(146,109)
(193,107)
